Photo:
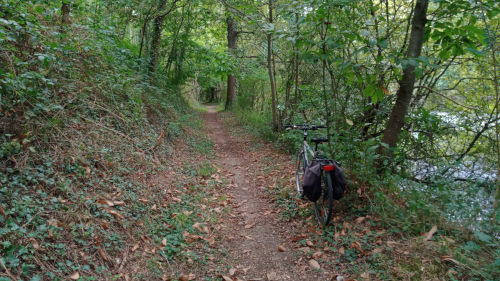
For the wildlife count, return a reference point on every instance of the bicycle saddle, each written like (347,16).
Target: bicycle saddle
(319,139)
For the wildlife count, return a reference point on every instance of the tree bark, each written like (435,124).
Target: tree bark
(65,10)
(270,68)
(173,49)
(155,41)
(232,44)
(143,34)
(407,82)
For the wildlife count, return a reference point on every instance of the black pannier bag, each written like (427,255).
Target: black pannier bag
(338,181)
(312,181)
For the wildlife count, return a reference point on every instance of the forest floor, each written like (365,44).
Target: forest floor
(260,245)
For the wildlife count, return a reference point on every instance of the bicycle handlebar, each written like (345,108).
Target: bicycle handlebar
(303,127)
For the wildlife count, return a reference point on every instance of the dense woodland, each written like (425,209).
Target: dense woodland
(89,88)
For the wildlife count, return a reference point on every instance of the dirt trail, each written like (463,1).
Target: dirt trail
(253,232)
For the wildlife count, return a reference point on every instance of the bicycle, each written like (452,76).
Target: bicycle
(324,205)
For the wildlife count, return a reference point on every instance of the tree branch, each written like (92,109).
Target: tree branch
(453,101)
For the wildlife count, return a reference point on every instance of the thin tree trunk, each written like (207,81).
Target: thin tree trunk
(296,67)
(143,34)
(232,44)
(65,10)
(155,41)
(407,82)
(270,68)
(323,35)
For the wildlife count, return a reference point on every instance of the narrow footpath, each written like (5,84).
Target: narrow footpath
(259,244)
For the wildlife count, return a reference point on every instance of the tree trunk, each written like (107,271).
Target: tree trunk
(155,41)
(143,34)
(407,82)
(65,9)
(270,68)
(232,40)
(173,49)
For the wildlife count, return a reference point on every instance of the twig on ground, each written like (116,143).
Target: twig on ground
(6,270)
(159,140)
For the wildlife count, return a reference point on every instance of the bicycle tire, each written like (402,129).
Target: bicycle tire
(299,173)
(323,207)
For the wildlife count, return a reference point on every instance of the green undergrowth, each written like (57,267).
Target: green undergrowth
(255,123)
(86,139)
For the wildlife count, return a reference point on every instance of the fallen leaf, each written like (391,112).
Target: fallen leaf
(104,224)
(250,225)
(314,264)
(341,250)
(448,258)
(346,225)
(281,248)
(298,237)
(190,237)
(377,251)
(102,254)
(118,203)
(317,255)
(164,242)
(205,229)
(365,275)
(357,246)
(115,214)
(272,276)
(226,278)
(34,243)
(429,234)
(184,277)
(391,244)
(305,249)
(210,240)
(2,211)
(198,226)
(245,270)
(309,243)
(232,271)
(360,220)
(135,247)
(75,276)
(143,200)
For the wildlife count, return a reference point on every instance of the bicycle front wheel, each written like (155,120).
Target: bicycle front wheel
(299,173)
(323,207)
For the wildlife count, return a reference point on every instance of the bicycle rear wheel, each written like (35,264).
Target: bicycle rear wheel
(299,172)
(323,207)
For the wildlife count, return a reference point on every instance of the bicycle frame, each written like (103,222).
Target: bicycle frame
(307,150)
